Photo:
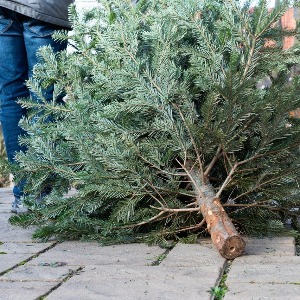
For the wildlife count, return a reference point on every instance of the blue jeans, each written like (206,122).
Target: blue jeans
(20,38)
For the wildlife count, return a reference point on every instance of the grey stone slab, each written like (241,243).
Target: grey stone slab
(8,261)
(4,217)
(16,235)
(10,233)
(254,291)
(272,240)
(6,195)
(270,246)
(271,272)
(265,259)
(38,273)
(5,208)
(143,282)
(24,290)
(82,254)
(7,227)
(6,201)
(6,190)
(193,255)
(19,248)
(264,249)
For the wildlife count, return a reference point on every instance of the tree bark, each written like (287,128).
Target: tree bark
(223,233)
(225,237)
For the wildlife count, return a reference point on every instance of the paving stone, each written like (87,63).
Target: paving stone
(82,254)
(39,273)
(265,249)
(7,227)
(6,195)
(24,290)
(277,246)
(268,270)
(8,261)
(5,208)
(276,271)
(20,248)
(10,233)
(273,240)
(4,217)
(143,282)
(6,190)
(6,200)
(193,255)
(16,235)
(265,259)
(265,291)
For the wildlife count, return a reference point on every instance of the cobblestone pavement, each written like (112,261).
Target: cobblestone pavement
(29,270)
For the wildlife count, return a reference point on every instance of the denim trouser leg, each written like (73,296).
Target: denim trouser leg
(20,38)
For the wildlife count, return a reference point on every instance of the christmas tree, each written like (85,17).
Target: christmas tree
(164,132)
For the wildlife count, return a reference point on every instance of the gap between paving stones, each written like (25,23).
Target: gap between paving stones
(72,273)
(172,263)
(163,268)
(66,278)
(161,257)
(221,283)
(69,276)
(28,259)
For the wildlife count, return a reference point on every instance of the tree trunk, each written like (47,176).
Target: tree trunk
(223,233)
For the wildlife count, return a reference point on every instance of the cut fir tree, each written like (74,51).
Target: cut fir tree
(164,133)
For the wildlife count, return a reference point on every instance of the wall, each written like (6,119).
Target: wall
(288,21)
(85,4)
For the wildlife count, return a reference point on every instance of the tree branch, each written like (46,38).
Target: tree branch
(213,161)
(227,180)
(176,210)
(193,142)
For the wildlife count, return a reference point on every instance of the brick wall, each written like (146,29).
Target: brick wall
(288,21)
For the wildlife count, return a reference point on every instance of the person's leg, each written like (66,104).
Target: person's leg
(13,73)
(38,34)
(20,38)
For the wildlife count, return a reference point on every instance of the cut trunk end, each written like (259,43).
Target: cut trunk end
(232,247)
(223,233)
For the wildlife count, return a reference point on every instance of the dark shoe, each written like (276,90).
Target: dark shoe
(17,207)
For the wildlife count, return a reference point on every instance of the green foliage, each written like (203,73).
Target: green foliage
(218,292)
(221,289)
(156,93)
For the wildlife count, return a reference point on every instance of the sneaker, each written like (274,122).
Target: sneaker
(17,207)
